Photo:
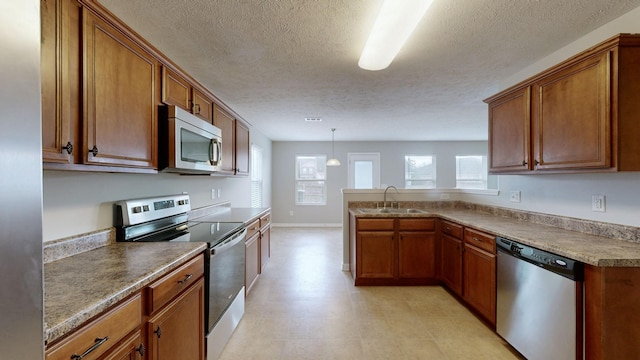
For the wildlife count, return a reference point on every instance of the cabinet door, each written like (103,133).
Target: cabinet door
(376,255)
(226,123)
(60,71)
(572,122)
(130,349)
(416,255)
(265,246)
(120,101)
(177,331)
(452,263)
(202,106)
(252,264)
(480,281)
(242,149)
(509,132)
(175,90)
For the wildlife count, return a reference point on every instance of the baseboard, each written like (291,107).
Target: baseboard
(316,225)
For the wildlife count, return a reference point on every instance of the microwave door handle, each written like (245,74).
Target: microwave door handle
(211,152)
(216,155)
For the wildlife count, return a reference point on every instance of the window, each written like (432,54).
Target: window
(311,173)
(256,176)
(419,172)
(471,172)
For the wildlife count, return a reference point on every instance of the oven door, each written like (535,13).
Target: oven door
(226,270)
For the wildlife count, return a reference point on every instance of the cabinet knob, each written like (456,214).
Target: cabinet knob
(524,163)
(94,150)
(140,349)
(536,162)
(158,332)
(69,147)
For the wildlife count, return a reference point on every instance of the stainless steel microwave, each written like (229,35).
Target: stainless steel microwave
(187,144)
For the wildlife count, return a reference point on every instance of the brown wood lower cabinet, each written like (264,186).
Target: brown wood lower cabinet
(252,264)
(165,320)
(132,348)
(177,331)
(451,261)
(479,276)
(393,251)
(611,316)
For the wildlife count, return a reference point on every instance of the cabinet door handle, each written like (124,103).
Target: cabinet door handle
(98,342)
(475,238)
(158,332)
(524,163)
(185,279)
(94,150)
(536,162)
(69,147)
(140,349)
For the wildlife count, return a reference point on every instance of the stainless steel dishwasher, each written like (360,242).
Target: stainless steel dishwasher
(539,302)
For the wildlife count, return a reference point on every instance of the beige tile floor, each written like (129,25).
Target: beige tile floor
(304,307)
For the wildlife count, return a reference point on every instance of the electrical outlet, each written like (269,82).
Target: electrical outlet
(514,196)
(597,203)
(444,196)
(213,194)
(219,193)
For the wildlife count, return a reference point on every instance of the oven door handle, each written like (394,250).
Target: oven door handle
(229,243)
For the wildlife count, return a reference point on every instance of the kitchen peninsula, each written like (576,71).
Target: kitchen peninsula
(611,270)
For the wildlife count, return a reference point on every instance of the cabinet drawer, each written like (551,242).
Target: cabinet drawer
(479,239)
(265,220)
(113,325)
(452,229)
(417,224)
(172,284)
(374,224)
(253,228)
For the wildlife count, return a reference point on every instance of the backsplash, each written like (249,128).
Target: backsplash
(609,230)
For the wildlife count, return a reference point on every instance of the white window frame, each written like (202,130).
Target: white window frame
(483,175)
(322,160)
(257,191)
(407,184)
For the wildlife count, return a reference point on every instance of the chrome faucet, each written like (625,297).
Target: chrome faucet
(384,199)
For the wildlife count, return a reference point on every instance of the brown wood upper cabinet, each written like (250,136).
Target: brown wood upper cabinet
(179,92)
(60,73)
(581,115)
(120,99)
(235,142)
(99,92)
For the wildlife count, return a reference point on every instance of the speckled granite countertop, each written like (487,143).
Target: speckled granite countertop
(590,249)
(80,287)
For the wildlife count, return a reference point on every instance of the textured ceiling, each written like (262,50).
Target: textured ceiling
(276,62)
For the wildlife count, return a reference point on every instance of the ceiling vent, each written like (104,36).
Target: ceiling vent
(313,119)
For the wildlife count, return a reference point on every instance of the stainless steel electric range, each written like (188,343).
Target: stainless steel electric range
(166,219)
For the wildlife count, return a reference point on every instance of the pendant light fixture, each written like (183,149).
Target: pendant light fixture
(333,161)
(396,21)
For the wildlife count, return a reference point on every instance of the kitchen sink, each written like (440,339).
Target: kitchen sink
(392,211)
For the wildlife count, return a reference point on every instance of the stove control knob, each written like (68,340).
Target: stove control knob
(137,209)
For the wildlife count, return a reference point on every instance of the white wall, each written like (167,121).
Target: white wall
(81,202)
(570,195)
(391,172)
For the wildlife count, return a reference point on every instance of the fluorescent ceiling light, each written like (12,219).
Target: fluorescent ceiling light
(395,23)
